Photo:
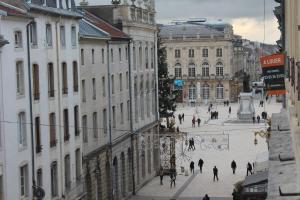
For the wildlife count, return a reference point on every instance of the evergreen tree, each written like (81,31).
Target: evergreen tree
(167,96)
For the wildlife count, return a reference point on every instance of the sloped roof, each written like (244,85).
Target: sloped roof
(105,26)
(13,8)
(188,30)
(54,11)
(87,30)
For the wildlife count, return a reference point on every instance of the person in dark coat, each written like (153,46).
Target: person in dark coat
(249,169)
(229,110)
(258,118)
(206,197)
(233,166)
(182,116)
(161,174)
(173,177)
(253,119)
(192,166)
(215,171)
(200,164)
(199,121)
(193,121)
(193,144)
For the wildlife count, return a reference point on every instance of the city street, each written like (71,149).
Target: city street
(220,153)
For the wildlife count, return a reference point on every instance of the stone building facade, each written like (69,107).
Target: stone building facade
(200,54)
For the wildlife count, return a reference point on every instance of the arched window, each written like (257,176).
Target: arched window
(205,69)
(177,71)
(123,175)
(219,69)
(205,91)
(116,178)
(219,91)
(192,70)
(192,92)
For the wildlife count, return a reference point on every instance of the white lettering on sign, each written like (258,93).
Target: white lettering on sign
(272,61)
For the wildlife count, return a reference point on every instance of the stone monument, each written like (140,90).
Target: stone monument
(246,110)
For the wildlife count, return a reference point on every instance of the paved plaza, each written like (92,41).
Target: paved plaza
(239,146)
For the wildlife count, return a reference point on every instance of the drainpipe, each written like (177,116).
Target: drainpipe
(30,106)
(283,44)
(131,118)
(109,121)
(59,105)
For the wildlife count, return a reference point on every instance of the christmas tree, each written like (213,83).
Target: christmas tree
(167,96)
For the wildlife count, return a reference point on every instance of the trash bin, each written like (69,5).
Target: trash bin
(182,169)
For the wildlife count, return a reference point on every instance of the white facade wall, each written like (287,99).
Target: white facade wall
(12,155)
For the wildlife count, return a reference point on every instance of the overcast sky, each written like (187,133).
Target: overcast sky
(246,16)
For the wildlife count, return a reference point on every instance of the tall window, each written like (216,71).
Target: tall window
(76,121)
(18,39)
(205,53)
(93,56)
(51,90)
(112,84)
(127,80)
(54,183)
(140,57)
(219,69)
(128,110)
(122,113)
(84,129)
(36,82)
(20,78)
(219,91)
(65,78)
(38,146)
(103,86)
(192,92)
(95,125)
(126,53)
(191,53)
(49,35)
(73,36)
(120,82)
(111,55)
(66,125)
(177,53)
(75,77)
(22,130)
(39,177)
(67,172)
(77,164)
(120,54)
(83,91)
(33,34)
(177,71)
(192,70)
(152,58)
(205,91)
(94,88)
(134,58)
(82,56)
(62,36)
(114,116)
(24,184)
(205,69)
(103,56)
(146,57)
(219,52)
(142,98)
(52,129)
(136,113)
(104,122)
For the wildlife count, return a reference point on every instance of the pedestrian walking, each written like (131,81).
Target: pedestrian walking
(215,171)
(200,164)
(192,166)
(161,174)
(177,128)
(229,110)
(193,144)
(190,144)
(233,166)
(253,119)
(199,121)
(193,121)
(180,118)
(249,169)
(234,195)
(258,119)
(173,177)
(206,197)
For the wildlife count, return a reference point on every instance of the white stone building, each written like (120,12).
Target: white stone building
(47,96)
(200,54)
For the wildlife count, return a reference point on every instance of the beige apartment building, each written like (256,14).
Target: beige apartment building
(201,55)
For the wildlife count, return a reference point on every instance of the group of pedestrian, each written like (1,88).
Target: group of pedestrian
(261,103)
(226,103)
(191,144)
(257,118)
(194,121)
(181,118)
(214,115)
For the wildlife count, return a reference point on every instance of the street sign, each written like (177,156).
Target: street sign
(273,72)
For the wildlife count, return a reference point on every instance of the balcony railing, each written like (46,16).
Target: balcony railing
(38,149)
(53,143)
(66,137)
(65,90)
(75,88)
(51,93)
